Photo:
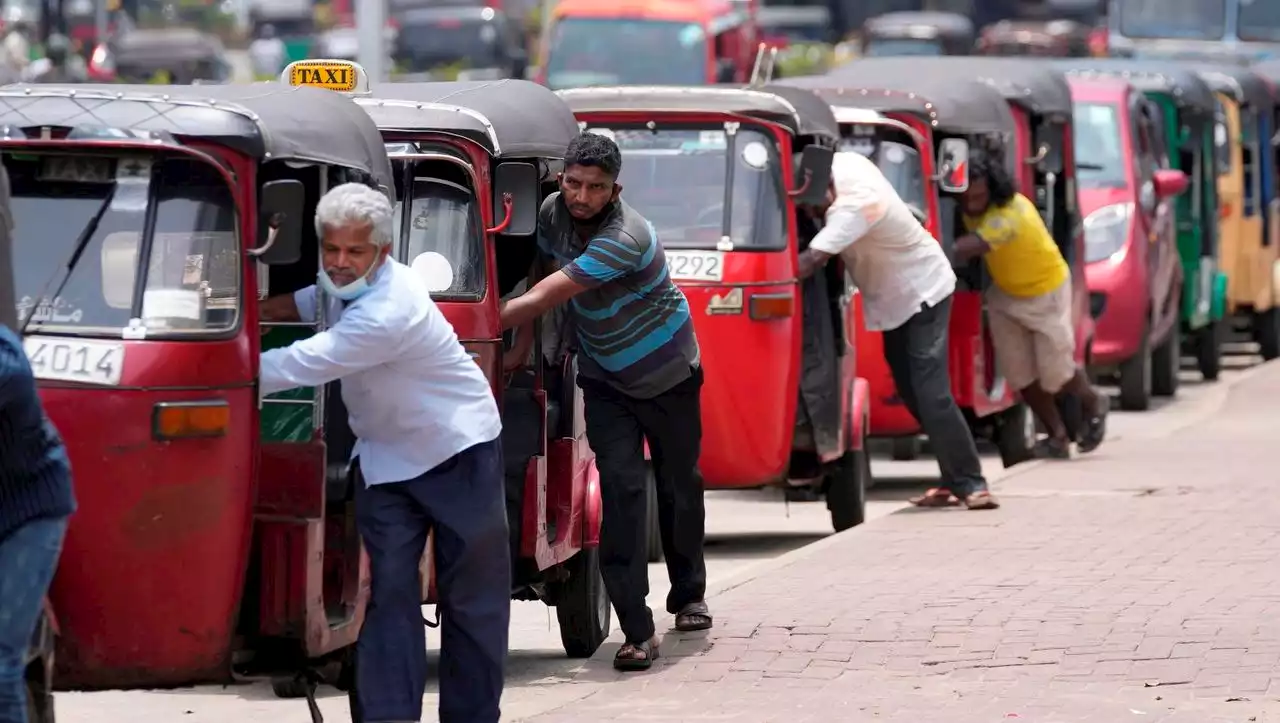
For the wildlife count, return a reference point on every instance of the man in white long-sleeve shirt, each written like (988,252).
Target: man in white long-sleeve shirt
(906,284)
(429,457)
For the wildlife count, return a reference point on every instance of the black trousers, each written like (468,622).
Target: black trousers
(617,426)
(917,357)
(462,500)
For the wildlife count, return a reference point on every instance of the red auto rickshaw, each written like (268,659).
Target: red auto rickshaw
(476,159)
(215,536)
(1131,245)
(919,129)
(720,173)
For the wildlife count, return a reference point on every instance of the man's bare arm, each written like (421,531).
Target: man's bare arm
(811,260)
(970,247)
(515,357)
(279,308)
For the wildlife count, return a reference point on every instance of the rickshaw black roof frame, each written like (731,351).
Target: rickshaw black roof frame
(964,107)
(1246,87)
(509,118)
(1187,89)
(267,121)
(1041,90)
(797,110)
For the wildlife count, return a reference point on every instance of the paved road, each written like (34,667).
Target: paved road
(745,530)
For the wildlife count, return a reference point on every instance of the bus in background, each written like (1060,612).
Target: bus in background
(1239,31)
(649,42)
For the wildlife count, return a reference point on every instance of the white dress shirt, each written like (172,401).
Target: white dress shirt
(895,264)
(414,395)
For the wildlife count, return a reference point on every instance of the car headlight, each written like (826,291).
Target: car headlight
(1106,231)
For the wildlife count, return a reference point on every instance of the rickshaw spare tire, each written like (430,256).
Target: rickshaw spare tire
(582,605)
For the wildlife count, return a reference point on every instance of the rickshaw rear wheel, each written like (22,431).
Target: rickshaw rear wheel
(582,605)
(1209,349)
(1136,376)
(1166,363)
(1266,331)
(847,487)
(652,525)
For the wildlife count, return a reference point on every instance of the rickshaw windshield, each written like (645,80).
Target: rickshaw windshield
(615,51)
(1183,19)
(900,164)
(676,179)
(192,278)
(1100,160)
(442,238)
(902,46)
(1260,20)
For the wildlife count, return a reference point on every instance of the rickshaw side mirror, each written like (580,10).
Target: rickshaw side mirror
(515,199)
(812,176)
(953,165)
(280,222)
(1169,183)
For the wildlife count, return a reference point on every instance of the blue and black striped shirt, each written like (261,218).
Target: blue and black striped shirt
(633,325)
(35,475)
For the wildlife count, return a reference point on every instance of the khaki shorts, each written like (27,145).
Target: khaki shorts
(1034,337)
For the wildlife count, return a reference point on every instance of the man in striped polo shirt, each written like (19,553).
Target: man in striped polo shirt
(640,377)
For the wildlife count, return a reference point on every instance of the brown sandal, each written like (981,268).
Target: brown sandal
(626,659)
(693,617)
(981,500)
(935,497)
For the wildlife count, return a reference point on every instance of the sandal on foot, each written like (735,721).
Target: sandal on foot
(1095,428)
(935,497)
(692,617)
(626,659)
(1051,448)
(981,500)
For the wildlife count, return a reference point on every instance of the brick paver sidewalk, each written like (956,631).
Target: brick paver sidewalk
(1141,583)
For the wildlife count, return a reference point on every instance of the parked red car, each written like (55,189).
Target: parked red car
(1131,254)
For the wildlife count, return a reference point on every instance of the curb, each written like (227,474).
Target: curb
(1213,401)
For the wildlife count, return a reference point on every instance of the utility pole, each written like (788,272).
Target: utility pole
(371,24)
(100,20)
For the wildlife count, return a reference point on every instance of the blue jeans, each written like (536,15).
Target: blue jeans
(28,557)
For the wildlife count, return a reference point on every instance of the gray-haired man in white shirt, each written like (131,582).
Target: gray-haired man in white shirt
(906,284)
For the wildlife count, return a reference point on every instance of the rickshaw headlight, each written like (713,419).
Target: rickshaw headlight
(1106,231)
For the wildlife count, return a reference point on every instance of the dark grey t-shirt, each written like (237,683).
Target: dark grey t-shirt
(633,325)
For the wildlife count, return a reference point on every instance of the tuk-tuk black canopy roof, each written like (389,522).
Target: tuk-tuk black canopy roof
(1239,82)
(1037,87)
(511,118)
(960,106)
(1187,88)
(907,23)
(269,121)
(798,110)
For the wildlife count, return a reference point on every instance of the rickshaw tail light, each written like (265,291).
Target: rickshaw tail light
(772,306)
(190,420)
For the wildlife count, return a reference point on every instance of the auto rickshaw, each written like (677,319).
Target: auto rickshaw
(720,173)
(917,33)
(176,56)
(473,162)
(38,672)
(1188,109)
(912,122)
(1063,38)
(1248,222)
(215,538)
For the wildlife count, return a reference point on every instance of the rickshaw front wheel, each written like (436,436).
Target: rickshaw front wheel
(847,489)
(582,605)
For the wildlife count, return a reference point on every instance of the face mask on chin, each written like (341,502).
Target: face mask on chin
(351,291)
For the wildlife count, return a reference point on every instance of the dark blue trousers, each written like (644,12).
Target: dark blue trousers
(28,558)
(463,500)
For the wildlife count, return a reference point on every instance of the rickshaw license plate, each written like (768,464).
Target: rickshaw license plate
(695,265)
(75,360)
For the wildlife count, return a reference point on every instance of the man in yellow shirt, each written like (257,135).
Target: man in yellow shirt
(1028,304)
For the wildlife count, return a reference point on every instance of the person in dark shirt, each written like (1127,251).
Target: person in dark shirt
(35,502)
(641,380)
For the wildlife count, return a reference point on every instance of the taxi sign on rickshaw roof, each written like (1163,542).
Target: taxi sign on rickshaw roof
(342,76)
